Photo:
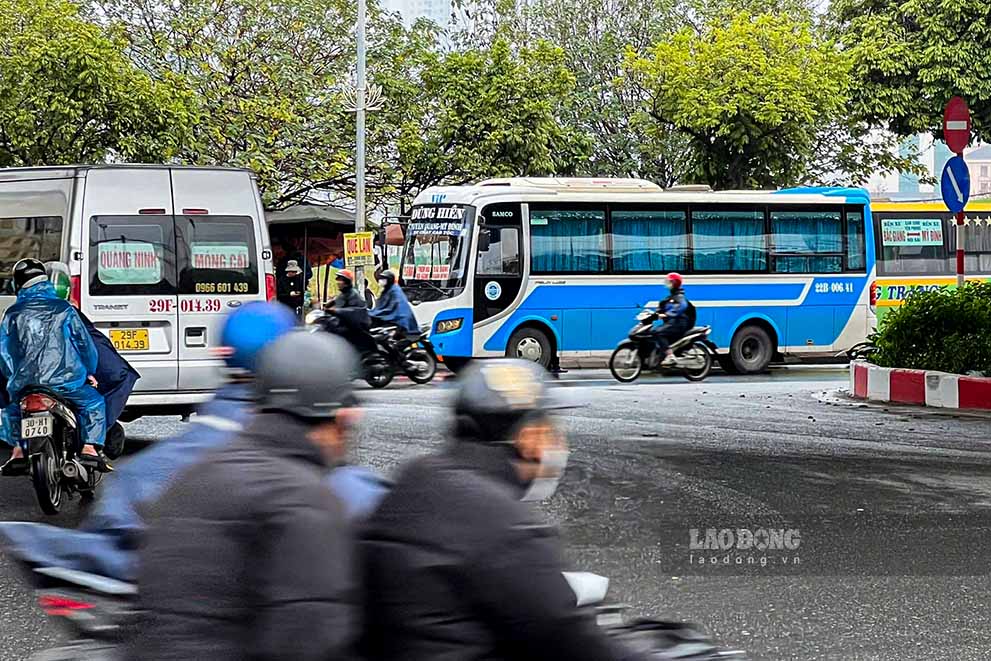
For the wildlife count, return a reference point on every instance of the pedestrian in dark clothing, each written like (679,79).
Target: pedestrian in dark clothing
(292,287)
(248,555)
(456,567)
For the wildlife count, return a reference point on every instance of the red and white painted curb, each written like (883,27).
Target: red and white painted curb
(949,391)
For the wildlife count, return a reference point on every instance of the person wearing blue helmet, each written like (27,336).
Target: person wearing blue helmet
(107,540)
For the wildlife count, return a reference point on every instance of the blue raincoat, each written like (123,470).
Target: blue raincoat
(393,308)
(108,539)
(43,342)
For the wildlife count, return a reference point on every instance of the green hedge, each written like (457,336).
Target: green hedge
(948,330)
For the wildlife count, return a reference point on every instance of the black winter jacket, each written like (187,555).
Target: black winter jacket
(458,569)
(249,556)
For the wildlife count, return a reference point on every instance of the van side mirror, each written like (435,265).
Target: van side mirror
(484,240)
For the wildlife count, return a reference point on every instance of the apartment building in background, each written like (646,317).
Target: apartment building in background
(438,11)
(933,155)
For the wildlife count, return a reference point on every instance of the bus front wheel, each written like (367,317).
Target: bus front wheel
(751,350)
(530,344)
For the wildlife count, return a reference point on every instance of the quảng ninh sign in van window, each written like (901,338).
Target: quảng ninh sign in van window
(130,263)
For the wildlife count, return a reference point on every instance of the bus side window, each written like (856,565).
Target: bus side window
(855,245)
(39,237)
(502,255)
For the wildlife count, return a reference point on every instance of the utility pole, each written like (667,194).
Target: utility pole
(359,161)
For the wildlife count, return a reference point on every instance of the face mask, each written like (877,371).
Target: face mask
(383,283)
(552,463)
(669,285)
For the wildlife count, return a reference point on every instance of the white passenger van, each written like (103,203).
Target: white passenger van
(157,254)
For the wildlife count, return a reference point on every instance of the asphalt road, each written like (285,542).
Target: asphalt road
(890,507)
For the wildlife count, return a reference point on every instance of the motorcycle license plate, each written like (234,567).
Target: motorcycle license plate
(131,339)
(36,426)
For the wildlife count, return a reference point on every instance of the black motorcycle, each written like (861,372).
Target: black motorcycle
(411,354)
(52,442)
(382,356)
(694,353)
(656,639)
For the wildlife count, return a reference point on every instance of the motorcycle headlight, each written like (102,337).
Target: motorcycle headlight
(449,325)
(313,315)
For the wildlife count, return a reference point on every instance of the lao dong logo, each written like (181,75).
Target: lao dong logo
(744,546)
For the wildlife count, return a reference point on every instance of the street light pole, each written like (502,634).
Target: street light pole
(359,161)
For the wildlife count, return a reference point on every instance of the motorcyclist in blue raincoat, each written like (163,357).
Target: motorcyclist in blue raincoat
(108,539)
(44,343)
(393,307)
(675,319)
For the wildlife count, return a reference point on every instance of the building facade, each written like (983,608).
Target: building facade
(438,11)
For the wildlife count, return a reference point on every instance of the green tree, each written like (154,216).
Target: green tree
(69,94)
(910,56)
(455,117)
(593,37)
(268,76)
(751,94)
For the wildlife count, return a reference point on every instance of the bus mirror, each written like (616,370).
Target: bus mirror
(484,239)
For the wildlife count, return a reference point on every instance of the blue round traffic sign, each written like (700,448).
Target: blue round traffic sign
(955,184)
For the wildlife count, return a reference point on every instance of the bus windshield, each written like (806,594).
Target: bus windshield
(436,251)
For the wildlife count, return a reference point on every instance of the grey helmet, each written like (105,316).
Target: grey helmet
(495,396)
(307,375)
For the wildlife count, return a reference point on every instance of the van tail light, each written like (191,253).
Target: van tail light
(37,403)
(873,294)
(76,291)
(269,287)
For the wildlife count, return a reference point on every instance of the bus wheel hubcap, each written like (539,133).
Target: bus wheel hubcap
(529,348)
(750,349)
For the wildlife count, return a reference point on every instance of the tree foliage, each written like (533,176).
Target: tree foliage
(749,94)
(455,117)
(267,75)
(69,93)
(910,56)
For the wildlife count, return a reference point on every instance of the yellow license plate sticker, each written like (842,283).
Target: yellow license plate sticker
(131,339)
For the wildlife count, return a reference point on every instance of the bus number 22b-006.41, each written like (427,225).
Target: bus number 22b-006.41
(834,288)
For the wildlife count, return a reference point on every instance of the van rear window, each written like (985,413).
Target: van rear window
(132,255)
(217,255)
(39,237)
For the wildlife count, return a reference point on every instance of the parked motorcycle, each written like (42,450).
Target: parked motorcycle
(52,442)
(383,356)
(694,353)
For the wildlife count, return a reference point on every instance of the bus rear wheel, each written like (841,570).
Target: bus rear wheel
(751,350)
(530,344)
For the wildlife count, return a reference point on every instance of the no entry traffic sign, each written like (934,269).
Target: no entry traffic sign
(956,125)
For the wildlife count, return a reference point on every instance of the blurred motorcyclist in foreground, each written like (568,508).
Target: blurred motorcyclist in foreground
(457,567)
(393,308)
(248,555)
(44,343)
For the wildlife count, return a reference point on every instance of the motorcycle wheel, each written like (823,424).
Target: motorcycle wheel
(378,376)
(429,369)
(625,363)
(699,373)
(46,476)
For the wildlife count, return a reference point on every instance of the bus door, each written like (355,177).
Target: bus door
(218,246)
(499,263)
(129,269)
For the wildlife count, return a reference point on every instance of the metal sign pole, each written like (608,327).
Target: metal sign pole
(960,248)
(359,193)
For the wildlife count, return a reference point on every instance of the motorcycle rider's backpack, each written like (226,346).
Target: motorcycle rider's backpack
(690,313)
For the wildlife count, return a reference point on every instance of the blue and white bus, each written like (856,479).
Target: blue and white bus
(538,268)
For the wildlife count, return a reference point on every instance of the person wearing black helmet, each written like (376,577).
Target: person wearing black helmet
(248,554)
(456,566)
(44,343)
(352,313)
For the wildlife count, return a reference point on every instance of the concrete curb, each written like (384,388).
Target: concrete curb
(920,387)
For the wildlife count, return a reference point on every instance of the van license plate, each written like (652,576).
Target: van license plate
(132,339)
(36,426)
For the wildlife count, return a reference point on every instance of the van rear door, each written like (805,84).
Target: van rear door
(129,269)
(219,243)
